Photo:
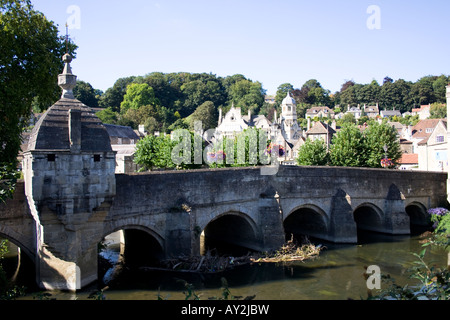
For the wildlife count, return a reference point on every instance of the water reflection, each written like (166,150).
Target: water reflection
(338,273)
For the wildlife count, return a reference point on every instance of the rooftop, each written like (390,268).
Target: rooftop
(69,124)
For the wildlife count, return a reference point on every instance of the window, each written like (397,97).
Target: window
(429,130)
(97,158)
(51,157)
(440,138)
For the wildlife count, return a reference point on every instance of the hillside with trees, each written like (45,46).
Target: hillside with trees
(168,101)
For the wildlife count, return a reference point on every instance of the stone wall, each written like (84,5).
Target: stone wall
(174,207)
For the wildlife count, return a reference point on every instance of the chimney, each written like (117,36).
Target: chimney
(309,124)
(75,130)
(275,116)
(142,128)
(249,115)
(220,116)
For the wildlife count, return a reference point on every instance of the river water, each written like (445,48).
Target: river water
(337,274)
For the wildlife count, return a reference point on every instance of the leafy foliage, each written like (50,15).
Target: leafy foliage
(187,150)
(8,291)
(377,136)
(348,148)
(30,61)
(352,148)
(313,153)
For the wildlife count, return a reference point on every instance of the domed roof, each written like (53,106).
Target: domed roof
(288,100)
(69,125)
(51,132)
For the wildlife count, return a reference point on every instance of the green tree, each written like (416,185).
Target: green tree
(107,116)
(166,90)
(151,125)
(348,147)
(282,91)
(438,111)
(247,95)
(369,94)
(201,88)
(313,153)
(113,97)
(178,124)
(319,96)
(349,97)
(30,61)
(246,149)
(154,152)
(376,137)
(423,92)
(439,88)
(137,96)
(396,95)
(84,92)
(206,114)
(348,118)
(140,115)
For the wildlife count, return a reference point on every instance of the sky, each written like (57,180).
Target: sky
(270,41)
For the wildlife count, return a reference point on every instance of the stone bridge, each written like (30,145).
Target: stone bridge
(171,213)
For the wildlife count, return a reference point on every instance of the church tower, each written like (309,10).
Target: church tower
(289,124)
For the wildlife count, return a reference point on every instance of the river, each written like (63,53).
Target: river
(337,274)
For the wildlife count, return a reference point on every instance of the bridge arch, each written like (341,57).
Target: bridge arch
(14,238)
(418,217)
(369,217)
(232,232)
(140,245)
(24,266)
(306,220)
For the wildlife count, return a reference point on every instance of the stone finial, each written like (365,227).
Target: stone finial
(67,80)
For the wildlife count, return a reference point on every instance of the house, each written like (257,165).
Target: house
(397,126)
(297,146)
(321,112)
(422,130)
(125,158)
(231,124)
(269,99)
(121,134)
(284,130)
(356,111)
(123,142)
(423,112)
(406,146)
(234,123)
(257,121)
(432,149)
(371,111)
(409,161)
(390,113)
(323,131)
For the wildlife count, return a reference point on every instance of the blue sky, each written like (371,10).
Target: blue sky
(269,41)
